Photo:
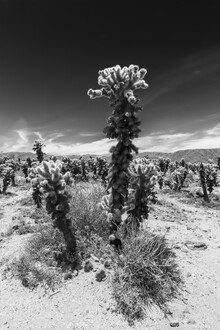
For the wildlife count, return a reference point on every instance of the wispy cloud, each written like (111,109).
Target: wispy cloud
(214,131)
(190,69)
(162,141)
(90,134)
(97,147)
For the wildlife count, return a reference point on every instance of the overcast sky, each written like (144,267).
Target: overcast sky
(51,52)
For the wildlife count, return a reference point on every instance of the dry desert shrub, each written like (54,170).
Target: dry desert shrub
(146,274)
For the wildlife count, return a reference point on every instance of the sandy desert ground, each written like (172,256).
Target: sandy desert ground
(82,303)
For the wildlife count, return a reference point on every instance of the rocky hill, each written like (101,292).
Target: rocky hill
(191,155)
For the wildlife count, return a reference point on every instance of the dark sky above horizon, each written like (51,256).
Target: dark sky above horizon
(51,52)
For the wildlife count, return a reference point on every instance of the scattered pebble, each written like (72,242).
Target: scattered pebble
(196,245)
(191,321)
(68,276)
(88,266)
(107,263)
(174,324)
(100,275)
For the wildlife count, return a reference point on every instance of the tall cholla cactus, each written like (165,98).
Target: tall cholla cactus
(38,144)
(119,85)
(53,184)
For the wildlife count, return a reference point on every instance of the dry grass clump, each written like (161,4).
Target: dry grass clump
(146,275)
(86,217)
(42,260)
(91,227)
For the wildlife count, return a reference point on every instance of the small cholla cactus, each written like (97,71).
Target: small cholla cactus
(118,85)
(218,162)
(29,162)
(54,185)
(182,162)
(102,169)
(202,175)
(35,182)
(38,144)
(83,169)
(24,168)
(6,173)
(176,177)
(211,171)
(143,179)
(160,179)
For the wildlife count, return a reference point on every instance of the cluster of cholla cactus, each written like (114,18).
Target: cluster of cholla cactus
(37,147)
(211,172)
(54,185)
(118,85)
(176,178)
(82,169)
(77,168)
(163,164)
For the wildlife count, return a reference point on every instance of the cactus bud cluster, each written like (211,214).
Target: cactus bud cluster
(120,83)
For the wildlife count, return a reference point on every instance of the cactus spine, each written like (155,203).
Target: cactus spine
(118,85)
(53,184)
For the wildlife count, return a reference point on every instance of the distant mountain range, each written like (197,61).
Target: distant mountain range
(191,155)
